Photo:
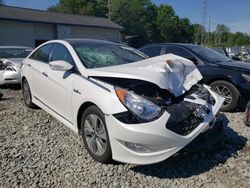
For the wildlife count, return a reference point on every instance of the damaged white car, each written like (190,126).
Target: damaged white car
(127,107)
(11,58)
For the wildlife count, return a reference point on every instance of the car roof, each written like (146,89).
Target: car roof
(73,41)
(15,47)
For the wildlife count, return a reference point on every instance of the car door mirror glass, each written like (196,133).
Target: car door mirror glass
(60,65)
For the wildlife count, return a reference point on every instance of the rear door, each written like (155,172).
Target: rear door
(36,71)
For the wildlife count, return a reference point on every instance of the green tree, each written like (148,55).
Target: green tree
(198,31)
(136,16)
(171,27)
(222,34)
(184,30)
(81,7)
(241,39)
(158,23)
(166,22)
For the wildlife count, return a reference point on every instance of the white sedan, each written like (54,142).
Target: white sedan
(126,107)
(11,58)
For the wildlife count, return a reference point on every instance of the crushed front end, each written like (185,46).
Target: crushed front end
(166,108)
(182,120)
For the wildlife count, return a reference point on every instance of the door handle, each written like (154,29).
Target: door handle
(77,91)
(45,74)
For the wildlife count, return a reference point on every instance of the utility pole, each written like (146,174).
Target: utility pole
(203,22)
(209,21)
(109,9)
(200,33)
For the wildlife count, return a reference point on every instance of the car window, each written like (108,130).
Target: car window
(179,51)
(152,51)
(208,54)
(14,52)
(60,52)
(42,54)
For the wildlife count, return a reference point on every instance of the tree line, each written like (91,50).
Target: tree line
(157,23)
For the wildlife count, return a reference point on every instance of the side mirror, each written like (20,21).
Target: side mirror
(60,65)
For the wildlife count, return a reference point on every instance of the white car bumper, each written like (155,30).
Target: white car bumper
(152,142)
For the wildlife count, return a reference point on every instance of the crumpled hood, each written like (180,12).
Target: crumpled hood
(170,72)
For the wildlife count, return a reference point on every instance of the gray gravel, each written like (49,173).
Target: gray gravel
(38,151)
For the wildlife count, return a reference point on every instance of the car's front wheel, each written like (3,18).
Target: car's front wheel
(27,94)
(229,92)
(95,134)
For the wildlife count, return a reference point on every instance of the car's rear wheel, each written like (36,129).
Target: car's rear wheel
(27,96)
(95,134)
(229,92)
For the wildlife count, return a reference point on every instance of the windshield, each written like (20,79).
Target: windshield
(105,55)
(220,50)
(209,55)
(14,53)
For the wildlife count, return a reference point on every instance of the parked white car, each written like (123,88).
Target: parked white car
(127,107)
(11,58)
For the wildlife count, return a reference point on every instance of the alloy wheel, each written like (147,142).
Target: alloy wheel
(95,134)
(26,93)
(224,92)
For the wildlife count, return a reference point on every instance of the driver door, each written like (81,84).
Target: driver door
(59,85)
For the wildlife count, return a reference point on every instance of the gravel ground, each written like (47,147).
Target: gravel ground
(38,151)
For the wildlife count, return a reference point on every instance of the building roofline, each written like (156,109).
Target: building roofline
(109,24)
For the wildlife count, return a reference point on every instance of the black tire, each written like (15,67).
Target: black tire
(233,92)
(106,155)
(27,96)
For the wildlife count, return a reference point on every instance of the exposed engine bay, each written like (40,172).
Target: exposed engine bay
(186,111)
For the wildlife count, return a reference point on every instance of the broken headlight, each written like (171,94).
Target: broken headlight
(138,105)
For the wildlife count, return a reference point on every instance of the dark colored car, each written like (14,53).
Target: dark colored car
(228,78)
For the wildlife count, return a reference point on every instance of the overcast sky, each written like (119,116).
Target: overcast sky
(233,13)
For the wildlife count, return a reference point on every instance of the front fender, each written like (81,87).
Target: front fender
(101,95)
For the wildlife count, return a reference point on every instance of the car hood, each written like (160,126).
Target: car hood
(170,72)
(237,65)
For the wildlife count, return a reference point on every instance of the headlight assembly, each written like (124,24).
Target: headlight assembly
(138,105)
(246,76)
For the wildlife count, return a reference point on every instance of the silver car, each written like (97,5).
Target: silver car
(11,58)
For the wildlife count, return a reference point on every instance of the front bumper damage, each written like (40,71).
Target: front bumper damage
(152,142)
(210,137)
